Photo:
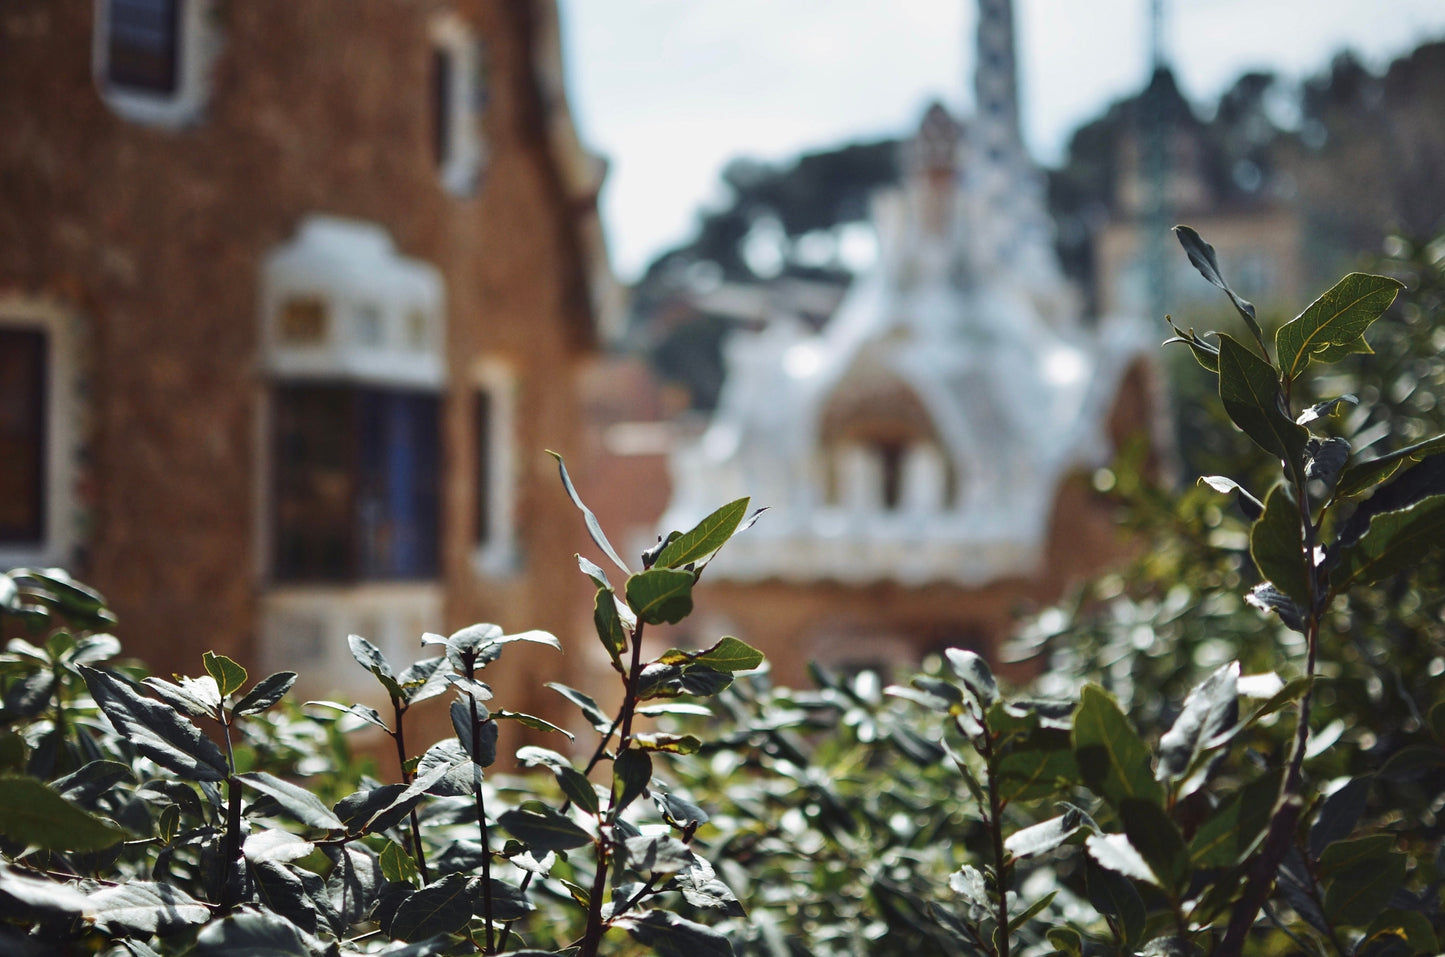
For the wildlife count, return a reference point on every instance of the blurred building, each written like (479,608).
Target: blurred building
(292,298)
(926,453)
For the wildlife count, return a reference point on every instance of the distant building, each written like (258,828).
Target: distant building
(926,453)
(292,298)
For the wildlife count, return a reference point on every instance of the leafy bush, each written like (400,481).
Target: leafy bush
(1282,797)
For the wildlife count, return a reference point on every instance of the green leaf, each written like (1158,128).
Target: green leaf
(294,800)
(45,896)
(1363,476)
(1360,878)
(577,788)
(590,709)
(397,865)
(661,595)
(370,657)
(1333,326)
(1118,854)
(974,672)
(1115,897)
(729,655)
(1201,254)
(1250,391)
(1112,759)
(442,907)
(594,527)
(230,677)
(1210,709)
(1030,912)
(543,829)
(531,721)
(671,743)
(255,934)
(1411,927)
(1229,834)
(266,693)
(197,697)
(1157,839)
(705,538)
(143,907)
(155,729)
(1034,774)
(658,854)
(1046,835)
(609,626)
(1393,542)
(367,714)
(1204,354)
(1276,543)
(631,773)
(672,936)
(33,814)
(1066,941)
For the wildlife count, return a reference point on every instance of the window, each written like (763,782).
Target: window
(143,45)
(39,403)
(356,475)
(23,388)
(457,93)
(493,463)
(353,340)
(152,58)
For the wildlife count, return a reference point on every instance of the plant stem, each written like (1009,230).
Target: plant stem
(995,827)
(634,674)
(482,819)
(399,710)
(232,842)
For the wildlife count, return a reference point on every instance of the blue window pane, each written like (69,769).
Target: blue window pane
(143,48)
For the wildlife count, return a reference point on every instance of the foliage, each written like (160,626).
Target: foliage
(1240,746)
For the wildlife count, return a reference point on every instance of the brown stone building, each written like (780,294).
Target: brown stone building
(292,297)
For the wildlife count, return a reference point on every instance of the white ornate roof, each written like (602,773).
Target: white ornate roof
(922,434)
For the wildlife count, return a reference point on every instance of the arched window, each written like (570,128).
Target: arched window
(152,58)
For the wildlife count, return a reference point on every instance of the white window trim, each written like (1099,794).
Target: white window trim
(498,555)
(466,155)
(62,439)
(199,43)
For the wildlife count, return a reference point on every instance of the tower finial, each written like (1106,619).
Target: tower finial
(996,78)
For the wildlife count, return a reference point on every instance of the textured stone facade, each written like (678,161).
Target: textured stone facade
(152,236)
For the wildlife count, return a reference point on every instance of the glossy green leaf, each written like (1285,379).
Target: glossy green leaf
(577,788)
(594,527)
(1204,354)
(397,865)
(1118,854)
(144,908)
(442,907)
(974,672)
(1249,390)
(669,935)
(589,708)
(155,729)
(294,800)
(661,595)
(658,854)
(32,813)
(531,721)
(266,693)
(370,657)
(1044,836)
(1231,832)
(1202,256)
(1393,542)
(1210,709)
(1361,477)
(729,655)
(196,697)
(1115,896)
(1156,837)
(230,677)
(1276,543)
(631,773)
(1360,878)
(1035,774)
(671,743)
(1333,326)
(703,539)
(1112,759)
(543,829)
(1409,926)
(609,626)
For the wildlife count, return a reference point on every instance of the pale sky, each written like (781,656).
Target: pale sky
(670,90)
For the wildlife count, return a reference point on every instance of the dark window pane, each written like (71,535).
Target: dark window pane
(482,481)
(397,507)
(356,483)
(22,436)
(315,482)
(441,104)
(143,49)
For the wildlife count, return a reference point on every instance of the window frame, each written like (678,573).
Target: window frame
(60,523)
(494,463)
(196,46)
(455,103)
